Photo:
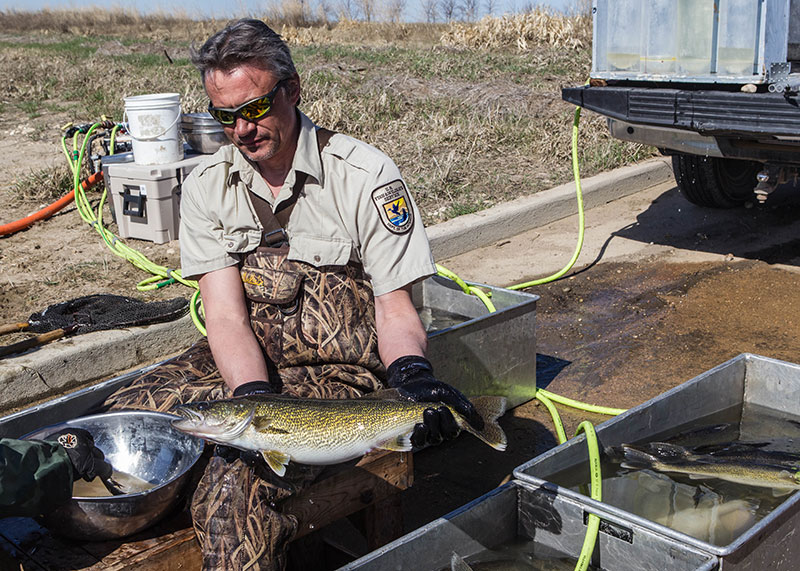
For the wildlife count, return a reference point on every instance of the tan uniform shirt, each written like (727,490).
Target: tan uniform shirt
(354,206)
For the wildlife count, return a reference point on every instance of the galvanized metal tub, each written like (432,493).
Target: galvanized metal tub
(746,380)
(556,524)
(486,353)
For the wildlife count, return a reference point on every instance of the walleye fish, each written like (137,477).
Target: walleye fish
(779,478)
(321,431)
(726,452)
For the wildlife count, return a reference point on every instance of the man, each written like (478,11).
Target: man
(305,244)
(37,475)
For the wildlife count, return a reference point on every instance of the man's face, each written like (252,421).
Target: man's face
(269,137)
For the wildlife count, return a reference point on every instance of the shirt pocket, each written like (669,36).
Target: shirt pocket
(319,251)
(239,242)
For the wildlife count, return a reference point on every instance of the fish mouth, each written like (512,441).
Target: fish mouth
(187,416)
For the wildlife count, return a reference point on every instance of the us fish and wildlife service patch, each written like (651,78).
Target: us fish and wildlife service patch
(394,207)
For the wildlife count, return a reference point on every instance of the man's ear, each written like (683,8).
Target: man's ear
(293,89)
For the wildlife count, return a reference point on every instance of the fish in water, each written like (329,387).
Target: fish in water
(321,431)
(724,452)
(664,457)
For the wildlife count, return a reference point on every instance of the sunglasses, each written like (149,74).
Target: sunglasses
(250,111)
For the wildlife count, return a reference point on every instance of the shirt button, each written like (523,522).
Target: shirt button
(230,244)
(317,258)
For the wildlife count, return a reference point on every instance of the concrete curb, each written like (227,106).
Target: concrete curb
(77,361)
(471,231)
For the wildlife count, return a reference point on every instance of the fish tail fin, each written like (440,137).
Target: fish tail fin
(490,408)
(636,459)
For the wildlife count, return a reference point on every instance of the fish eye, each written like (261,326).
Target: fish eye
(201,406)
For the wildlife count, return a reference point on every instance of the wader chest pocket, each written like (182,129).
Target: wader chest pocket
(265,285)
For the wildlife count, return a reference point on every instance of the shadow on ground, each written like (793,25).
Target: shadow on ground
(766,232)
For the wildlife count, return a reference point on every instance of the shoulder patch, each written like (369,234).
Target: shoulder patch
(394,207)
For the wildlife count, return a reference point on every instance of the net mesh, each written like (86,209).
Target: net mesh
(106,311)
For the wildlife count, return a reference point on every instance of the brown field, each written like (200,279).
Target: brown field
(471,112)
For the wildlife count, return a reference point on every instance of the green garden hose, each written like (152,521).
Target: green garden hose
(560,433)
(581,222)
(162,275)
(580,405)
(596,482)
(466,288)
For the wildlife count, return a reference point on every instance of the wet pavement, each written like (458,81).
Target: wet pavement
(662,292)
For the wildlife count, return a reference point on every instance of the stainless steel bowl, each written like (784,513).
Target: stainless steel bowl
(202,132)
(201,119)
(205,140)
(142,444)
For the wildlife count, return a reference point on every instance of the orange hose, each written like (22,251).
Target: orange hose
(49,210)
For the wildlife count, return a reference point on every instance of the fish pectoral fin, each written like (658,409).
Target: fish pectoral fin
(261,422)
(276,460)
(778,492)
(401,443)
(266,424)
(700,476)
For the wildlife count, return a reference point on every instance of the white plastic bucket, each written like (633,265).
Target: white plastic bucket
(152,123)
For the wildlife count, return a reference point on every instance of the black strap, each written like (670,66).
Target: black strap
(274,223)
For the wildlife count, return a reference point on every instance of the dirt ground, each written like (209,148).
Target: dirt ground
(61,258)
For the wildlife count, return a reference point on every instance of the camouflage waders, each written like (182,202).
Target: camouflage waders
(317,325)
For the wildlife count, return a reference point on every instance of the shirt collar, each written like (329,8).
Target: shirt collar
(306,157)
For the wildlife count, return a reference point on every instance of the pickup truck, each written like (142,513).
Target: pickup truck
(732,129)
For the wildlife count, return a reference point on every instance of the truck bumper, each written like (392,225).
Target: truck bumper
(705,112)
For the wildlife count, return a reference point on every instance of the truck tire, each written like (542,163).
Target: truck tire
(715,182)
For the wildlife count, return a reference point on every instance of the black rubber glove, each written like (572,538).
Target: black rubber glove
(413,378)
(87,459)
(254,388)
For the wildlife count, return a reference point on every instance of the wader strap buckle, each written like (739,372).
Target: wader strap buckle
(275,238)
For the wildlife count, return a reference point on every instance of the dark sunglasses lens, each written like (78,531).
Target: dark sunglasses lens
(256,109)
(224,117)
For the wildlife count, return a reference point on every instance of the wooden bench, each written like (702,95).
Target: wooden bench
(370,485)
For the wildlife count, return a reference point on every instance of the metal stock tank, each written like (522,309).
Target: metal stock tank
(744,383)
(553,527)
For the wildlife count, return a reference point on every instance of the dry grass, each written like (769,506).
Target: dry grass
(122,22)
(522,31)
(468,127)
(43,185)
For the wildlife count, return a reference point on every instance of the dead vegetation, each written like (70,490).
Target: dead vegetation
(472,114)
(522,31)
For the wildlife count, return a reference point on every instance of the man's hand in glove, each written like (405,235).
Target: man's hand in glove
(413,378)
(87,460)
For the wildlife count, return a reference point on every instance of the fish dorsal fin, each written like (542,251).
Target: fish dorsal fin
(276,460)
(667,450)
(400,443)
(384,394)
